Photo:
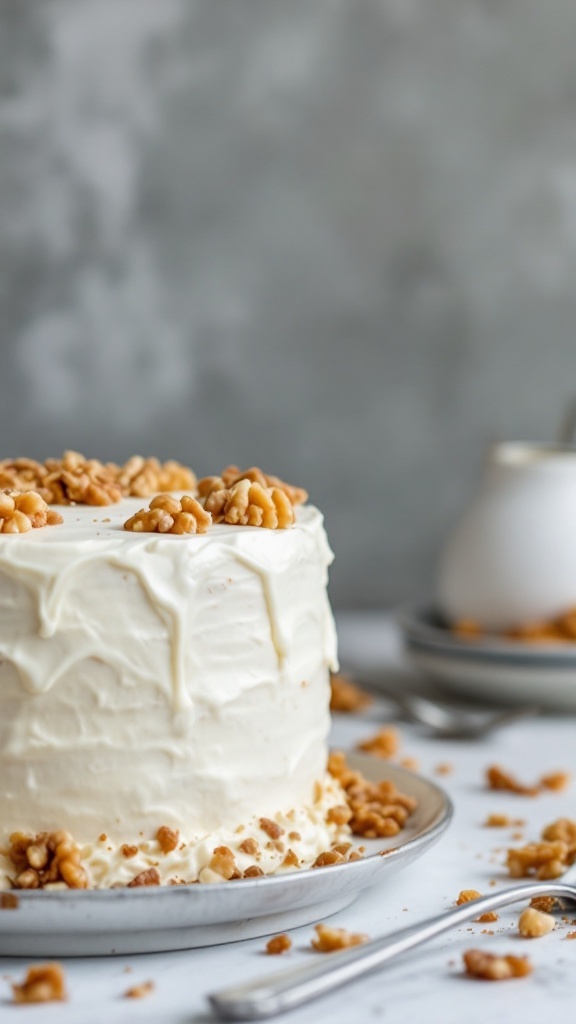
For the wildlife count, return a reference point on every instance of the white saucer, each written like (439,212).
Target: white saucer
(496,669)
(104,922)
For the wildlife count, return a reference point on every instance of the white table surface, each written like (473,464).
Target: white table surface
(428,984)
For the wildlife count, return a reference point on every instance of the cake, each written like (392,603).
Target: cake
(164,693)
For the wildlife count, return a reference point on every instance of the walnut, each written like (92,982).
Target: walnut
(563,829)
(271,828)
(248,503)
(328,940)
(145,988)
(328,858)
(493,967)
(253,872)
(346,696)
(278,944)
(49,857)
(44,983)
(9,901)
(24,475)
(384,743)
(556,781)
(232,474)
(545,860)
(167,838)
(142,477)
(223,862)
(544,903)
(339,815)
(497,778)
(21,511)
(167,514)
(466,896)
(249,846)
(534,923)
(128,851)
(74,478)
(290,860)
(148,877)
(378,809)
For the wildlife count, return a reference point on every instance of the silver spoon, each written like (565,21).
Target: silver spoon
(291,988)
(442,720)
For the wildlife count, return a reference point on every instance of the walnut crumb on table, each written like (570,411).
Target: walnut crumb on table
(278,944)
(549,858)
(494,967)
(499,779)
(466,896)
(533,923)
(328,940)
(385,743)
(141,991)
(44,983)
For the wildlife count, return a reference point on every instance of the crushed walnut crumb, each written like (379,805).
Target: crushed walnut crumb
(167,514)
(141,991)
(128,851)
(385,743)
(493,967)
(532,923)
(9,901)
(148,877)
(224,864)
(378,809)
(278,944)
(167,838)
(271,828)
(466,896)
(550,857)
(44,983)
(328,940)
(498,778)
(346,696)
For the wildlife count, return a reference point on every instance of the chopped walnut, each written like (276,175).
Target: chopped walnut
(76,479)
(44,983)
(48,858)
(9,901)
(248,503)
(466,896)
(148,877)
(24,475)
(378,809)
(271,828)
(253,872)
(290,860)
(534,923)
(328,940)
(444,768)
(249,846)
(128,851)
(167,838)
(278,944)
(232,474)
(493,967)
(556,781)
(142,477)
(21,511)
(141,991)
(167,514)
(339,815)
(549,858)
(544,903)
(346,696)
(498,821)
(497,778)
(223,863)
(328,858)
(384,744)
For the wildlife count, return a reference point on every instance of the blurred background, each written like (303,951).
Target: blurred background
(335,238)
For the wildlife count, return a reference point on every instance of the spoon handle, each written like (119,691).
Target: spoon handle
(289,989)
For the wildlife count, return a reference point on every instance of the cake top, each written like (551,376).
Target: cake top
(237,497)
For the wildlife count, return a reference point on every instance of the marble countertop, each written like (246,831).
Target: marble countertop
(428,984)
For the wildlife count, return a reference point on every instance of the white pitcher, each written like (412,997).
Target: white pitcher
(512,558)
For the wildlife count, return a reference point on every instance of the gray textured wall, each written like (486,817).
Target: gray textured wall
(333,237)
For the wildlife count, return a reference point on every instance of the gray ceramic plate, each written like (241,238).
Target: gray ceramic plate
(488,667)
(100,923)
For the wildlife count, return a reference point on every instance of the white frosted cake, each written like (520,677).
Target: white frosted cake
(164,700)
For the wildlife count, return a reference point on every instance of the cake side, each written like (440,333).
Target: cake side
(151,681)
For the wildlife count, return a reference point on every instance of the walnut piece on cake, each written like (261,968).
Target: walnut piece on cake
(74,478)
(47,859)
(250,497)
(21,511)
(167,514)
(44,983)
(493,967)
(140,477)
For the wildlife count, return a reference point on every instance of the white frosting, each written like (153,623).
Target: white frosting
(151,680)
